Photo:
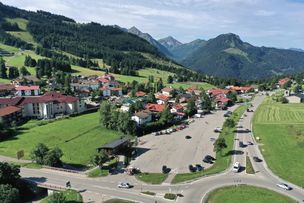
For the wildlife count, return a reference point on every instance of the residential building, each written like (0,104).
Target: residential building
(142,117)
(46,106)
(10,114)
(283,81)
(108,80)
(22,91)
(167,91)
(111,91)
(7,89)
(156,108)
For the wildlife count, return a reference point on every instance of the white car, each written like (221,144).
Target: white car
(236,167)
(284,186)
(217,130)
(124,185)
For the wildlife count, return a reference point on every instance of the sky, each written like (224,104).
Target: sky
(272,23)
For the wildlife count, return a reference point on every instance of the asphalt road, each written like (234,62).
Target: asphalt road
(192,192)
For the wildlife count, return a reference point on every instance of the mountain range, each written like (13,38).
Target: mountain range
(227,56)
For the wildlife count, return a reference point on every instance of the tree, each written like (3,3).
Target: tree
(232,96)
(57,197)
(151,98)
(191,108)
(8,194)
(39,152)
(165,117)
(99,159)
(170,79)
(13,72)
(206,103)
(230,123)
(9,173)
(3,69)
(52,158)
(296,88)
(105,113)
(219,144)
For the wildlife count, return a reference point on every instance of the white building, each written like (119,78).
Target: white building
(47,106)
(142,117)
(22,91)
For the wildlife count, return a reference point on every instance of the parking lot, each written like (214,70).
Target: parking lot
(177,152)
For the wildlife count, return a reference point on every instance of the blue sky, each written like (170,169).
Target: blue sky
(274,23)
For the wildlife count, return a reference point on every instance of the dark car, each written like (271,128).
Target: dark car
(192,168)
(188,137)
(241,144)
(209,159)
(199,167)
(257,159)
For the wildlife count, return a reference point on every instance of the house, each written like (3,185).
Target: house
(108,80)
(283,81)
(214,92)
(111,91)
(142,117)
(46,106)
(85,84)
(177,109)
(116,147)
(294,99)
(156,108)
(222,101)
(241,90)
(167,91)
(162,98)
(194,91)
(7,89)
(26,80)
(10,114)
(27,91)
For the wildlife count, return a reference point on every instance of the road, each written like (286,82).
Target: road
(194,191)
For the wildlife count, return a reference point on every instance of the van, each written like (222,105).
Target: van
(236,167)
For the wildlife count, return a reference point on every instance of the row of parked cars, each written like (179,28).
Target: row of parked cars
(170,130)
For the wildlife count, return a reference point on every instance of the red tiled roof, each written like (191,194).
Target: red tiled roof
(140,94)
(178,107)
(27,88)
(155,107)
(11,101)
(284,81)
(216,92)
(115,89)
(237,88)
(8,110)
(222,99)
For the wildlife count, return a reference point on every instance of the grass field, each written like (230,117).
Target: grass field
(71,196)
(249,167)
(78,137)
(97,172)
(281,129)
(117,201)
(152,178)
(248,194)
(223,159)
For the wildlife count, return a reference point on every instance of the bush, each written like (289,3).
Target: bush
(170,196)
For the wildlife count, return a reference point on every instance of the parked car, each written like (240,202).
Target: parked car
(209,159)
(257,159)
(165,169)
(199,167)
(192,168)
(249,143)
(227,115)
(284,186)
(241,144)
(217,130)
(188,137)
(124,185)
(236,167)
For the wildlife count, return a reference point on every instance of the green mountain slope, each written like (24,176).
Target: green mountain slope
(228,56)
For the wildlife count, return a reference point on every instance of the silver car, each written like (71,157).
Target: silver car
(284,186)
(124,185)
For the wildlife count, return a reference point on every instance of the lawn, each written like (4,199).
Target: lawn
(70,196)
(78,137)
(9,48)
(249,167)
(97,172)
(223,158)
(248,194)
(117,201)
(152,178)
(281,130)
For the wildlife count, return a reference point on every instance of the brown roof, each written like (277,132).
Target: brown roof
(167,89)
(6,87)
(8,110)
(143,114)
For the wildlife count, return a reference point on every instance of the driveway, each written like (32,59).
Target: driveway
(175,151)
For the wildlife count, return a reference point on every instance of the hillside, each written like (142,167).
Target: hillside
(227,56)
(64,41)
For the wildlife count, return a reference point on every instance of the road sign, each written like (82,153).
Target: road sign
(20,154)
